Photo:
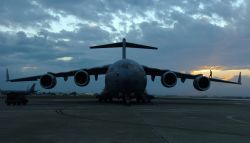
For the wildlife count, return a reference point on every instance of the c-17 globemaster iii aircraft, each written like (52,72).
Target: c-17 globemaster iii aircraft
(125,79)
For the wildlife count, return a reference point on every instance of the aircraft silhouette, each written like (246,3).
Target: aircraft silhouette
(125,78)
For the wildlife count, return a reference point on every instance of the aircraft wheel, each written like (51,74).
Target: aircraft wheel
(110,99)
(23,102)
(138,99)
(147,100)
(100,99)
(8,103)
(127,100)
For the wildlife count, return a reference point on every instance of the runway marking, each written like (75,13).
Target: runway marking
(145,109)
(153,126)
(168,110)
(59,111)
(237,120)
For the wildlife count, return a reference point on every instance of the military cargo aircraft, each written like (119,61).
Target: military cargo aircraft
(125,78)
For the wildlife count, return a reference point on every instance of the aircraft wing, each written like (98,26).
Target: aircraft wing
(90,71)
(160,72)
(184,76)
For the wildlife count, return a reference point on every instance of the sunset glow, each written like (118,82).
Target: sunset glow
(222,72)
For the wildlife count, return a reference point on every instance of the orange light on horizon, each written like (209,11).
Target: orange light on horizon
(221,72)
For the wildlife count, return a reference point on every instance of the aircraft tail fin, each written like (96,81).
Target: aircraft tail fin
(124,45)
(32,89)
(239,78)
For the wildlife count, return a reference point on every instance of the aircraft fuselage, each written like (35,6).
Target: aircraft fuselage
(125,78)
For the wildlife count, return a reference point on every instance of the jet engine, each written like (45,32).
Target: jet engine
(48,81)
(169,79)
(201,83)
(81,78)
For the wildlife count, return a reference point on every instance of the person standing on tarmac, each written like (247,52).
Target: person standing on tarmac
(211,74)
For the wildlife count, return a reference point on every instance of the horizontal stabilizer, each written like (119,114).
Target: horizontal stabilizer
(124,44)
(113,45)
(133,45)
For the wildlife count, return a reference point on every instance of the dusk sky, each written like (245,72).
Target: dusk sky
(192,36)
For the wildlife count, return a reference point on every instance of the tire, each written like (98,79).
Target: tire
(110,99)
(100,99)
(138,99)
(127,100)
(14,103)
(8,103)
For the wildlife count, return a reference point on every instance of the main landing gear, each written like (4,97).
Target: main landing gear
(126,99)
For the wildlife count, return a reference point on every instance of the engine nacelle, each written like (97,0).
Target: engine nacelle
(81,78)
(201,83)
(48,81)
(169,79)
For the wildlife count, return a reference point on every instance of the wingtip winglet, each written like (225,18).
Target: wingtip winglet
(239,78)
(7,75)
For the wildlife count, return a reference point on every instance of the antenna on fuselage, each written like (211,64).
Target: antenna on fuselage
(124,44)
(123,48)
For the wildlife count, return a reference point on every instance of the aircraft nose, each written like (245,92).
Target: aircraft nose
(128,80)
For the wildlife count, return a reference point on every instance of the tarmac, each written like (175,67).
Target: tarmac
(168,120)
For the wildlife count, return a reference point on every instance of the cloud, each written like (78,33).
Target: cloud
(189,34)
(65,59)
(25,68)
(23,14)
